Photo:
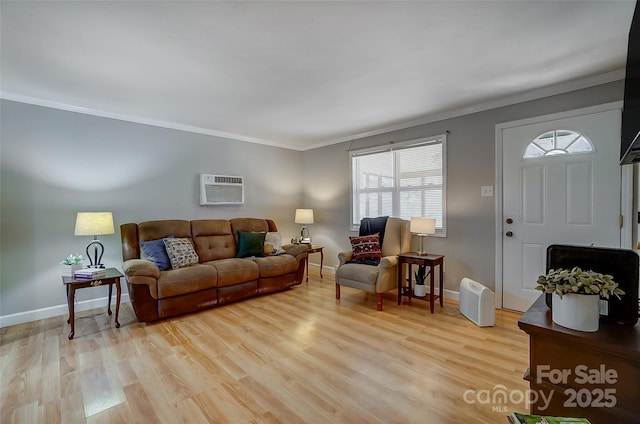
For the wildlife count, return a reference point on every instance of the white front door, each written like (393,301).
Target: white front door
(560,189)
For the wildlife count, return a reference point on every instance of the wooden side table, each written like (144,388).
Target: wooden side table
(112,277)
(314,249)
(431,261)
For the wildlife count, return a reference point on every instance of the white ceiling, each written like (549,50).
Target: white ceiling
(301,74)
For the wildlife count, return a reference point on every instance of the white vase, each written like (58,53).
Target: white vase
(69,270)
(576,311)
(420,290)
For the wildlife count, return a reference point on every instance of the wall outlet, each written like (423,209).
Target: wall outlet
(486,191)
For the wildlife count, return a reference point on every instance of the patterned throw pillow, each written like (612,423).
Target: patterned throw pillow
(180,252)
(366,249)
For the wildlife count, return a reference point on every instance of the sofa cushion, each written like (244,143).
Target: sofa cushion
(234,271)
(186,280)
(213,239)
(156,252)
(358,273)
(250,244)
(366,249)
(155,230)
(180,252)
(272,266)
(255,225)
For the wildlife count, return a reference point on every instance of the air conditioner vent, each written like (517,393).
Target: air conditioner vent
(227,180)
(221,190)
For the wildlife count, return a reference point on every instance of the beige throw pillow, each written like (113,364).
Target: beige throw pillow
(273,244)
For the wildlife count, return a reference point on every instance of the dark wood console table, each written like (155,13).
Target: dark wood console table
(591,375)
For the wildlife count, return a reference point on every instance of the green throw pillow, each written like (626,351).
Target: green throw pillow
(250,244)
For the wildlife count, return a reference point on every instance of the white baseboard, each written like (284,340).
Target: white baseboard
(448,294)
(54,311)
(452,294)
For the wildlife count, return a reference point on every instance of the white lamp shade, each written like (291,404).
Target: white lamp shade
(304,216)
(421,225)
(94,223)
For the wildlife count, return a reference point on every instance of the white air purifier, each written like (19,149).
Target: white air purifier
(476,303)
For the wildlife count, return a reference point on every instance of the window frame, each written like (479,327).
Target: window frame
(441,139)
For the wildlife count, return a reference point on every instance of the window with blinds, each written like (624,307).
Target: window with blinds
(405,180)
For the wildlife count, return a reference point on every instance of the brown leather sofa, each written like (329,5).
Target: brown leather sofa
(219,277)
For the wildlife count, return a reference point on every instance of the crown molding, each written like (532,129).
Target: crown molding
(139,120)
(526,96)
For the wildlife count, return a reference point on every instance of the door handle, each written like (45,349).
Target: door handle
(509,234)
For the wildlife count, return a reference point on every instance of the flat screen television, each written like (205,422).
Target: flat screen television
(623,265)
(630,140)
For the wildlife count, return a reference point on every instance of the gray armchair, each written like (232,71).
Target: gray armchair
(383,277)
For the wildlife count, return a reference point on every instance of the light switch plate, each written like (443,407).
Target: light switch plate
(486,191)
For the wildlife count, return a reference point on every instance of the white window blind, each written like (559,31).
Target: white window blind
(406,180)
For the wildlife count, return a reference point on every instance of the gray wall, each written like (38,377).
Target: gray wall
(470,243)
(55,163)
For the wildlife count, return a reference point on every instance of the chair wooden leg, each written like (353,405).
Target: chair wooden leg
(379,301)
(337,291)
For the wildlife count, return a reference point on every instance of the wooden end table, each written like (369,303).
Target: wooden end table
(314,249)
(431,261)
(112,277)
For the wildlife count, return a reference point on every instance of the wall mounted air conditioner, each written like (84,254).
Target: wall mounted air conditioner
(476,303)
(221,190)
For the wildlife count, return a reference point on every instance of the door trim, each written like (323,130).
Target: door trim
(626,185)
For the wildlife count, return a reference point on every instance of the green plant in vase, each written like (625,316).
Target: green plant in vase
(420,276)
(576,295)
(71,264)
(566,281)
(72,259)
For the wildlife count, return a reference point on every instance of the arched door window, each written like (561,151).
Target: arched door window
(557,142)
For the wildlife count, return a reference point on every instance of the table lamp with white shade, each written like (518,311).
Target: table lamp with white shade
(94,224)
(422,227)
(304,217)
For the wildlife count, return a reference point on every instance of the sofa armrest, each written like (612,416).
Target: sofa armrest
(294,249)
(388,262)
(140,268)
(345,257)
(299,252)
(388,274)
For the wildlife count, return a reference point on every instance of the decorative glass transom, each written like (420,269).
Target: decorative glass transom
(558,142)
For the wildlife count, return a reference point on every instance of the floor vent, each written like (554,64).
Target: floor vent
(476,303)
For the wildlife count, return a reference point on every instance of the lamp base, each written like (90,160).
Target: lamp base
(98,250)
(305,238)
(421,251)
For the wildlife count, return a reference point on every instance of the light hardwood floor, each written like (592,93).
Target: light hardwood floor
(297,356)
